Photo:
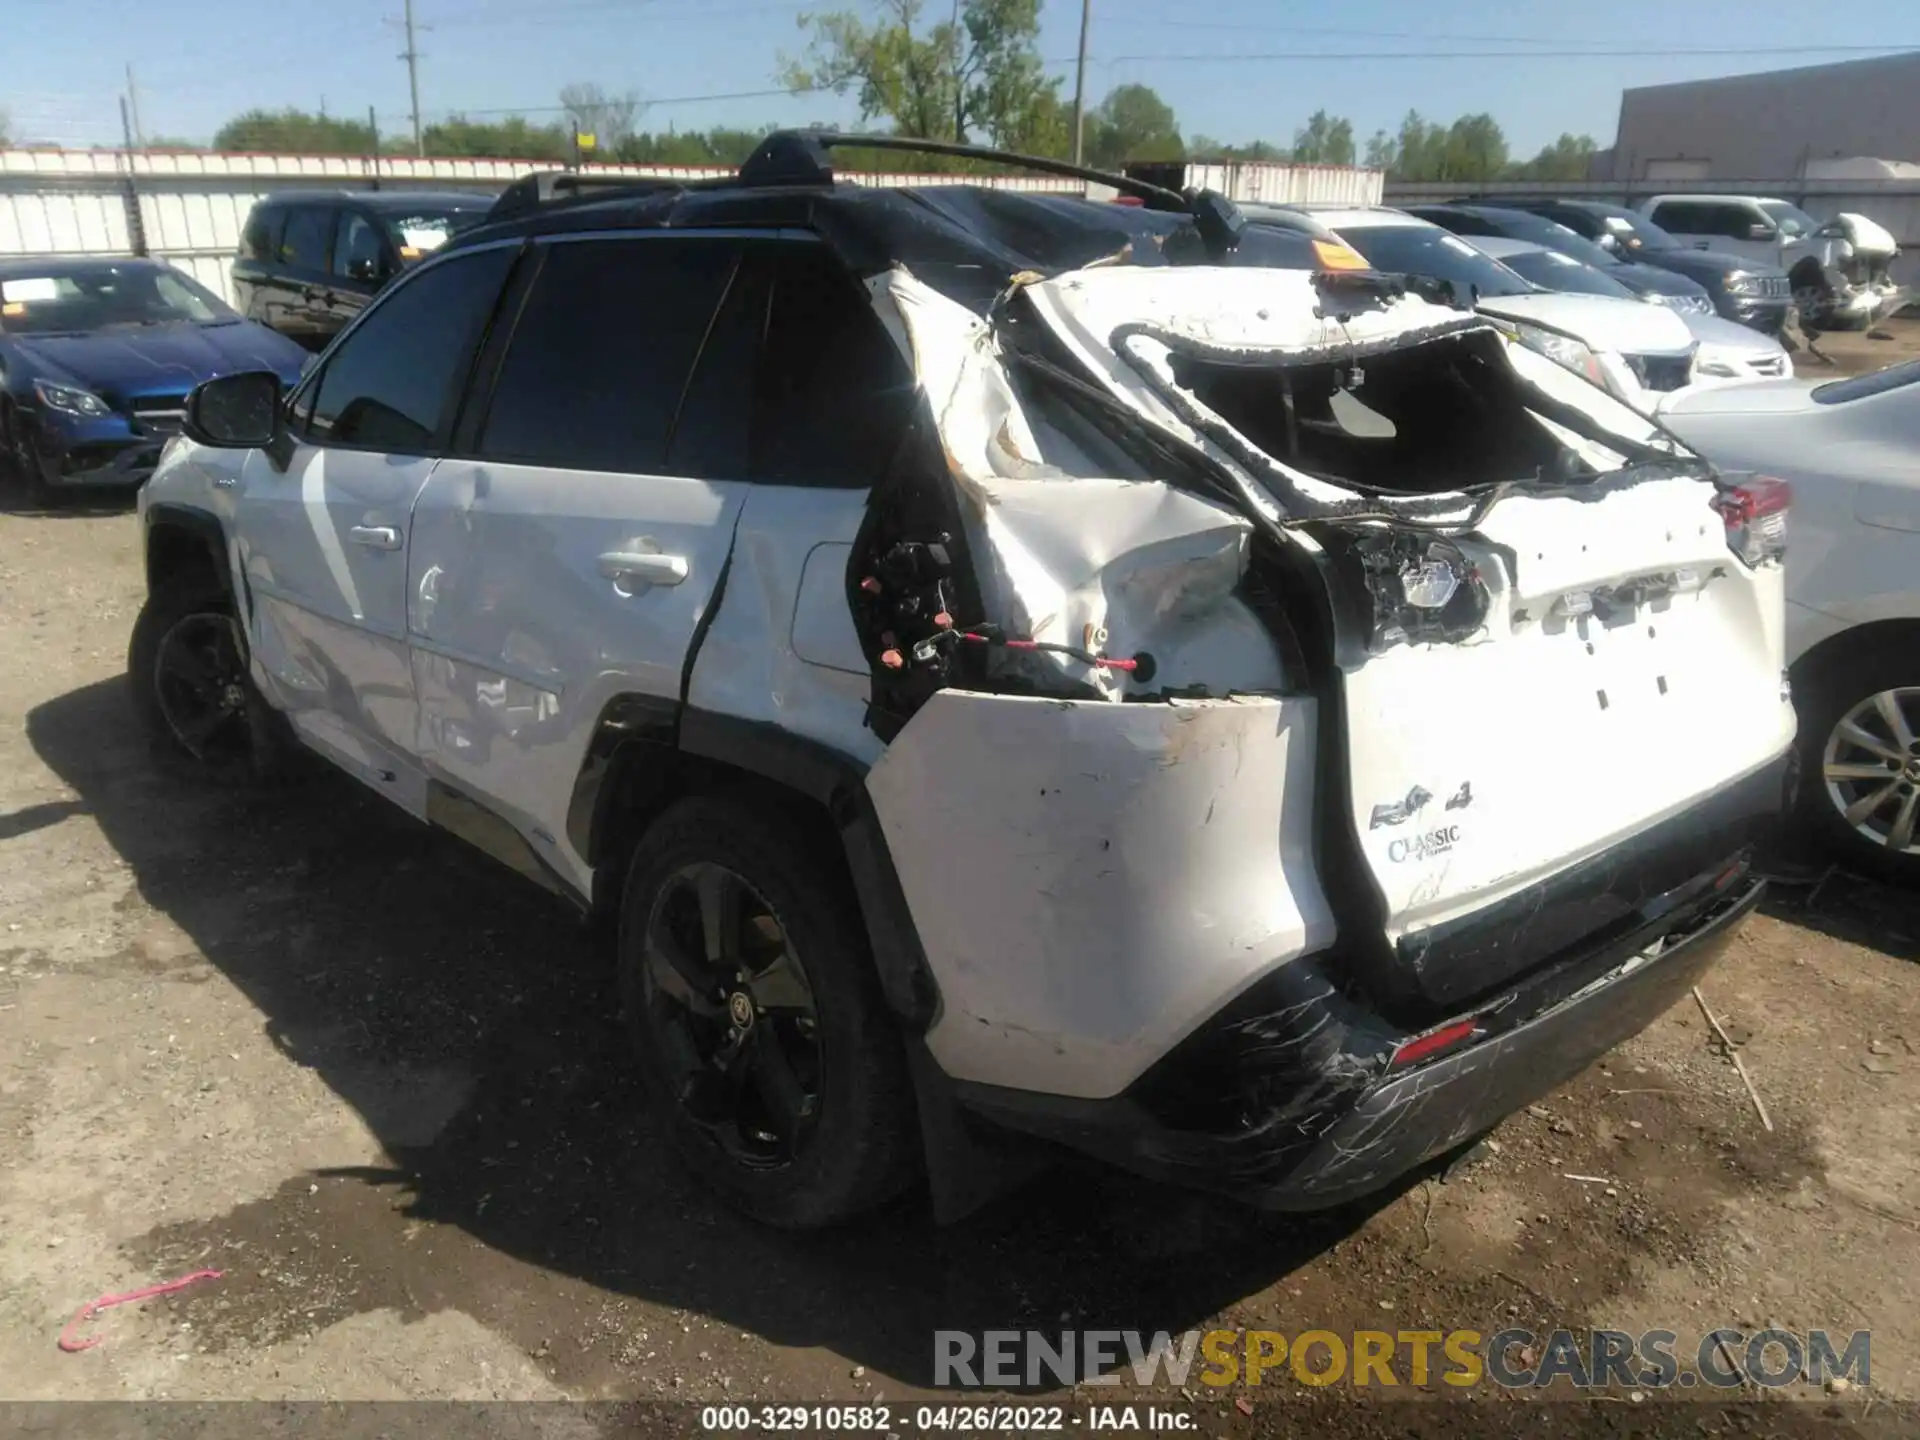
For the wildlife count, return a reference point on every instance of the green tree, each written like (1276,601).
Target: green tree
(1132,123)
(6,124)
(1472,148)
(1324,140)
(515,138)
(1476,149)
(294,132)
(1205,147)
(1567,158)
(1382,152)
(981,78)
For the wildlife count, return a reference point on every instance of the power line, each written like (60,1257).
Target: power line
(1617,54)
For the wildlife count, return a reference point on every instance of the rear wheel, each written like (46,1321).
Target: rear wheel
(1860,751)
(766,1046)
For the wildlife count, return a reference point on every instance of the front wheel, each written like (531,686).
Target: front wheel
(1860,752)
(19,462)
(768,1053)
(196,704)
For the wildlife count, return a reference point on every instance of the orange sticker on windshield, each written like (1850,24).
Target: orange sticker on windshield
(13,307)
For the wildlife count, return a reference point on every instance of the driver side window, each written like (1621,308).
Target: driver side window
(392,382)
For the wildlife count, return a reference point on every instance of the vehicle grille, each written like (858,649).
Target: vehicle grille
(159,415)
(1662,372)
(1775,287)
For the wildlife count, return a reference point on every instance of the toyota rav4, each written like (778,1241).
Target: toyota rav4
(1013,671)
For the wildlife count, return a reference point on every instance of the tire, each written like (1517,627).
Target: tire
(19,466)
(1843,768)
(843,1142)
(249,745)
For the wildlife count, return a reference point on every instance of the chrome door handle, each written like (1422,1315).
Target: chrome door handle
(644,568)
(375,537)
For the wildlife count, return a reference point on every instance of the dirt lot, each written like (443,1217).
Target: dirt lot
(377,1082)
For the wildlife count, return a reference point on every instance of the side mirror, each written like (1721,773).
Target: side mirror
(235,412)
(1760,230)
(1832,230)
(362,267)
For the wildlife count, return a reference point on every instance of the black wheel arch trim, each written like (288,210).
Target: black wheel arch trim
(654,731)
(837,782)
(204,524)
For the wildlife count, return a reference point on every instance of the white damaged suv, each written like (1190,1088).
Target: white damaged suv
(1015,669)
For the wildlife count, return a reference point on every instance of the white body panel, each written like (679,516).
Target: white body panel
(1090,881)
(782,647)
(1635,703)
(520,635)
(322,549)
(1854,551)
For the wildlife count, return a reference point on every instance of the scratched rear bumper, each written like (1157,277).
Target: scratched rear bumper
(1286,1100)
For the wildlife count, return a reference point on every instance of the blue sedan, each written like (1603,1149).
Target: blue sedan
(96,359)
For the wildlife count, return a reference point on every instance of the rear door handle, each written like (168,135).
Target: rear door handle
(375,537)
(644,567)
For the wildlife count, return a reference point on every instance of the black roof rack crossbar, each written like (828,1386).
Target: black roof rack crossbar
(540,188)
(790,157)
(787,150)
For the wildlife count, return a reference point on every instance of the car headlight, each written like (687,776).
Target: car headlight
(71,401)
(1740,283)
(1567,351)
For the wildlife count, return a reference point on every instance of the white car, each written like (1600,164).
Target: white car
(1005,663)
(1840,269)
(1848,448)
(1727,351)
(1638,352)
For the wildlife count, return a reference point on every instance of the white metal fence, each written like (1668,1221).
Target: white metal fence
(192,205)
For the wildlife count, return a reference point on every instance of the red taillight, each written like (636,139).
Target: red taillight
(1432,1043)
(1128,200)
(1755,512)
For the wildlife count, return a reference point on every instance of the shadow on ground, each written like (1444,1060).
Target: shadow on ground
(466,1018)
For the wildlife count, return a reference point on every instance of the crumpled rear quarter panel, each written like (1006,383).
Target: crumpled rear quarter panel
(1093,880)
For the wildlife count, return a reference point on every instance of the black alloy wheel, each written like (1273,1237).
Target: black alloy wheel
(731,1011)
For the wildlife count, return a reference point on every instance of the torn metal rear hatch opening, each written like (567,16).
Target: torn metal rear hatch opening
(1113,437)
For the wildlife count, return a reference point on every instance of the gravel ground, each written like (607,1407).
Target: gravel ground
(377,1082)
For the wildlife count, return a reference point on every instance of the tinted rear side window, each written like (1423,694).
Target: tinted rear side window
(389,385)
(831,393)
(602,351)
(261,238)
(303,244)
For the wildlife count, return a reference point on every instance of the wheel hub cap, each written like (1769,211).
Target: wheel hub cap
(1871,769)
(730,1010)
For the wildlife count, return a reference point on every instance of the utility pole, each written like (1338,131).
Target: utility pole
(138,138)
(412,57)
(1080,84)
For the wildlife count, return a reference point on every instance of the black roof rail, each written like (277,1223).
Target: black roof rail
(800,157)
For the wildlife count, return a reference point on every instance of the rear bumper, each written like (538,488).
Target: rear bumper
(1288,1099)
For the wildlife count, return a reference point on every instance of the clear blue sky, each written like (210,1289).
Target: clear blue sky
(200,61)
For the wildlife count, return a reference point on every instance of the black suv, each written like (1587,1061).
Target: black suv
(310,261)
(1743,290)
